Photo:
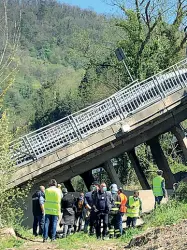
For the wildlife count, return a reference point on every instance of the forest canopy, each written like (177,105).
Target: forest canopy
(66,58)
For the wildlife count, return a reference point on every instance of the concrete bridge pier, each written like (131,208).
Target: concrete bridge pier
(182,140)
(87,178)
(138,169)
(161,161)
(69,186)
(109,168)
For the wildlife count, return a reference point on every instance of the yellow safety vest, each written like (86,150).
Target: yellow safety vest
(52,201)
(157,186)
(133,212)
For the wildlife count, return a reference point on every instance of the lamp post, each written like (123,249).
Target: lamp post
(121,57)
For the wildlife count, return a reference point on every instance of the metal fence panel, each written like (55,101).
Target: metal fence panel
(83,123)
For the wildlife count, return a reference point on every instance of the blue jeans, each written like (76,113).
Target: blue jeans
(50,219)
(120,222)
(86,224)
(38,220)
(131,221)
(158,200)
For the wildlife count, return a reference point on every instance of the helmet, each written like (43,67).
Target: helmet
(64,191)
(114,188)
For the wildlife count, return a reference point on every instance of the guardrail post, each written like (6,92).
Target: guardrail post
(32,153)
(162,95)
(118,108)
(74,125)
(182,84)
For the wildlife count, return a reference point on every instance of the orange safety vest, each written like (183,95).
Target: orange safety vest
(123,207)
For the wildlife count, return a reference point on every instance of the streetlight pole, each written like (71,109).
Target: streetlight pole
(121,57)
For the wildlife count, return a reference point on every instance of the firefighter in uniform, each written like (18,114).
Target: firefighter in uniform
(114,229)
(134,209)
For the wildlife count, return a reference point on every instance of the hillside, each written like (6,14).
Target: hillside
(66,58)
(57,44)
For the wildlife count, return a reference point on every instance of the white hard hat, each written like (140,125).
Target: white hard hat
(114,187)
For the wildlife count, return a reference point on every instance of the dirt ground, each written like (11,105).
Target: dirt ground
(101,245)
(164,238)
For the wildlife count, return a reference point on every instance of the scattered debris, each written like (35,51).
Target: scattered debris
(162,238)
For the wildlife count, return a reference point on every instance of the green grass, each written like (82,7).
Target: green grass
(166,214)
(76,241)
(10,243)
(24,232)
(130,233)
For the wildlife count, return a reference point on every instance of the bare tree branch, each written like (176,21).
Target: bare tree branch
(180,13)
(147,15)
(148,36)
(183,42)
(6,31)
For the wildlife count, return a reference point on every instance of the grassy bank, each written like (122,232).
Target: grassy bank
(10,243)
(166,214)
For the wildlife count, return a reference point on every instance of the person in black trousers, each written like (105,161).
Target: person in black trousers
(38,211)
(101,207)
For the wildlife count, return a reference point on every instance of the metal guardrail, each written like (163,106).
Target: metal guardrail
(81,124)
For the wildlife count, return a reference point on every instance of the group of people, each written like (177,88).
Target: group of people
(99,209)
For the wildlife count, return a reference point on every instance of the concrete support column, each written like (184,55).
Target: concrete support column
(138,169)
(182,140)
(109,168)
(88,178)
(69,186)
(161,161)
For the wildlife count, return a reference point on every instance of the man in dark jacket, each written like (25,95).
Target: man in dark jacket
(67,208)
(90,213)
(38,211)
(101,205)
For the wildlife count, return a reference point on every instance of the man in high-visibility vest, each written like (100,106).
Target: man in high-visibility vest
(113,225)
(134,209)
(52,208)
(159,189)
(123,208)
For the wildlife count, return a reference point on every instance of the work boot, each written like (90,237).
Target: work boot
(105,238)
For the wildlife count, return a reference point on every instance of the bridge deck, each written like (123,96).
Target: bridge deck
(119,106)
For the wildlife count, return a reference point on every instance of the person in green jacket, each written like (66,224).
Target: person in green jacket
(159,189)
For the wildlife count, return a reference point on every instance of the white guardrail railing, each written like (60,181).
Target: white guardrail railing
(81,124)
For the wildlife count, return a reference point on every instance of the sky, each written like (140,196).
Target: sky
(100,6)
